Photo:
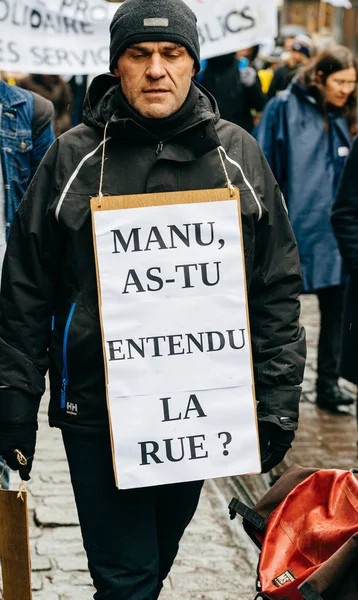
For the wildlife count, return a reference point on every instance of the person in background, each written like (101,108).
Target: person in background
(287,41)
(25,136)
(299,56)
(345,225)
(162,134)
(236,87)
(78,86)
(55,89)
(252,55)
(305,133)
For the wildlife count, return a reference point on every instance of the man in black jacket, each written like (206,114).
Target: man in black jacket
(25,136)
(162,133)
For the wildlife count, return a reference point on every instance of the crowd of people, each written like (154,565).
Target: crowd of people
(299,208)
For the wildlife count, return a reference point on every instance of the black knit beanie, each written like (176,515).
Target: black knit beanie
(153,21)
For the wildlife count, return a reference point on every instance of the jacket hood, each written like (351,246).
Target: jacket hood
(301,90)
(100,105)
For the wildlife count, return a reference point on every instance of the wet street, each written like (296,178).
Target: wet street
(216,560)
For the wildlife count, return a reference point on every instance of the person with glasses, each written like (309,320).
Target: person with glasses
(306,133)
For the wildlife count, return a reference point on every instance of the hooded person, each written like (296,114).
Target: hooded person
(162,133)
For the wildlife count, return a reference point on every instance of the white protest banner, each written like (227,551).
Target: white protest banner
(62,37)
(67,37)
(229,25)
(176,337)
(339,3)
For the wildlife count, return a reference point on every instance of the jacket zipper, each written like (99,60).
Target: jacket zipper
(64,356)
(160,145)
(159,148)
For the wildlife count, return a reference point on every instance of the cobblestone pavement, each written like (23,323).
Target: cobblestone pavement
(216,560)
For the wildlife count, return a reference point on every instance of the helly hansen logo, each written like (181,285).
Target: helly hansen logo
(71,409)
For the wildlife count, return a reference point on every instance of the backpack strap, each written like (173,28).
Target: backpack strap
(309,593)
(256,520)
(43,114)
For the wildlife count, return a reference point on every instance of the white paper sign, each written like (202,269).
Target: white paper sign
(229,25)
(67,37)
(60,37)
(343,3)
(176,340)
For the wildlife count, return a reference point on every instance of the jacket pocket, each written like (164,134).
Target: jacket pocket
(64,356)
(22,159)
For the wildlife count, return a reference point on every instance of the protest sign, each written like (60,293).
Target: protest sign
(229,25)
(62,37)
(14,546)
(176,340)
(67,37)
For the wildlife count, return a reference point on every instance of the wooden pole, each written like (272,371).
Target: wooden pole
(322,15)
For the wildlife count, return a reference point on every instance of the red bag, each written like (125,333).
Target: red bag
(307,529)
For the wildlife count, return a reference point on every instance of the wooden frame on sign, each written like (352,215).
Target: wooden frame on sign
(107,203)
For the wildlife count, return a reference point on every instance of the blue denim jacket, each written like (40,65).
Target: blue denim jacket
(21,149)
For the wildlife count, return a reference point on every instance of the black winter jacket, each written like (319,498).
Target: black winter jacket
(345,225)
(49,311)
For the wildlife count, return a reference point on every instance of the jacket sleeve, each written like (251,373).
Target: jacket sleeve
(40,146)
(42,130)
(28,289)
(272,138)
(278,340)
(345,213)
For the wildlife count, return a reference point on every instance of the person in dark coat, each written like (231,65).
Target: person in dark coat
(25,136)
(147,128)
(305,133)
(345,225)
(237,90)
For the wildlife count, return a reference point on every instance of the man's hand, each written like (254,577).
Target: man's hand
(21,437)
(274,444)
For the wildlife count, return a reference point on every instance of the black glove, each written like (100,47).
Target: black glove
(274,443)
(18,426)
(18,437)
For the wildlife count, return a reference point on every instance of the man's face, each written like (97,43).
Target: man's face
(287,43)
(155,77)
(245,53)
(298,57)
